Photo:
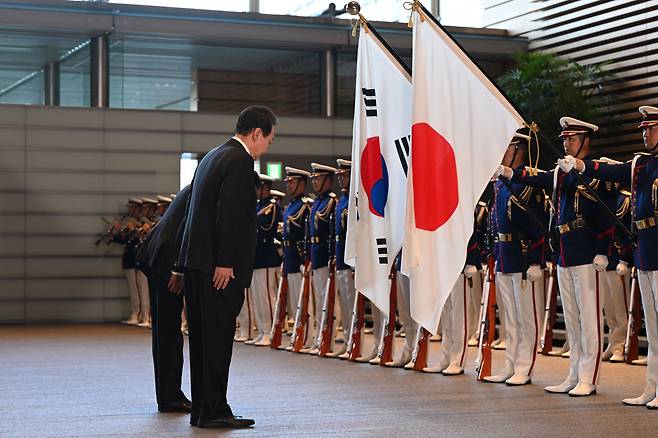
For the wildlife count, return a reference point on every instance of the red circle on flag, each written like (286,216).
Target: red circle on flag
(436,189)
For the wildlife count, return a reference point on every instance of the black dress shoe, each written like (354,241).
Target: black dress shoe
(177,406)
(226,423)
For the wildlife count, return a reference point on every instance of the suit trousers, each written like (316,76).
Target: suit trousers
(211,321)
(649,290)
(583,319)
(521,322)
(167,340)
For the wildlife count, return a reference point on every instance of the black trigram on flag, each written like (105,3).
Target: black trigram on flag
(370,101)
(402,146)
(382,250)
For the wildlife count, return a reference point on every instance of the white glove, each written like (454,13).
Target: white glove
(567,163)
(469,271)
(600,262)
(535,273)
(622,269)
(505,171)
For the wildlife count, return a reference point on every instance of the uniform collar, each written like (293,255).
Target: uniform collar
(235,137)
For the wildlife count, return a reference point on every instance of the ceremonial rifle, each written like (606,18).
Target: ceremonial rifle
(631,346)
(550,312)
(358,321)
(386,352)
(279,310)
(327,320)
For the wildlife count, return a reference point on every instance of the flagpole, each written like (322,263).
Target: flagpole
(532,126)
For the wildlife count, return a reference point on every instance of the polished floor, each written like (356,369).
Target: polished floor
(96,380)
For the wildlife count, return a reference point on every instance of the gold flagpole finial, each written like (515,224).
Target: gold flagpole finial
(412,6)
(534,129)
(354,8)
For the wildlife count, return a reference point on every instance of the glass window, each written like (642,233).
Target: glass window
(182,76)
(75,77)
(188,164)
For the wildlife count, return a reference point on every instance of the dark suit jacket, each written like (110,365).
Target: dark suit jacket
(160,249)
(220,228)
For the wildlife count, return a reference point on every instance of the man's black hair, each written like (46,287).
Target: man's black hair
(254,117)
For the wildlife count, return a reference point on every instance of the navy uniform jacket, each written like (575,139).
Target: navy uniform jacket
(320,228)
(268,217)
(512,218)
(294,222)
(623,242)
(473,256)
(580,245)
(644,189)
(341,230)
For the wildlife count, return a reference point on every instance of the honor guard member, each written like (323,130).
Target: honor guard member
(163,204)
(295,216)
(519,265)
(475,296)
(641,175)
(454,316)
(264,280)
(157,256)
(320,237)
(344,273)
(614,292)
(585,243)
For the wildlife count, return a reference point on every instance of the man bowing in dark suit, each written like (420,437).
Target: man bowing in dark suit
(217,254)
(156,257)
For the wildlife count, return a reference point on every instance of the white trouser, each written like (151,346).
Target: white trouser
(540,300)
(409,326)
(133,289)
(649,290)
(346,295)
(473,305)
(454,322)
(501,311)
(584,321)
(263,291)
(245,317)
(294,285)
(144,303)
(520,322)
(614,291)
(378,325)
(319,278)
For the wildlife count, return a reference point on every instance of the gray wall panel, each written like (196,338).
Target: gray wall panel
(63,266)
(11,202)
(11,181)
(65,203)
(62,246)
(12,137)
(150,162)
(12,159)
(12,246)
(12,223)
(12,114)
(37,289)
(144,120)
(56,181)
(64,311)
(65,160)
(65,117)
(51,138)
(143,141)
(12,290)
(12,268)
(12,312)
(63,224)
